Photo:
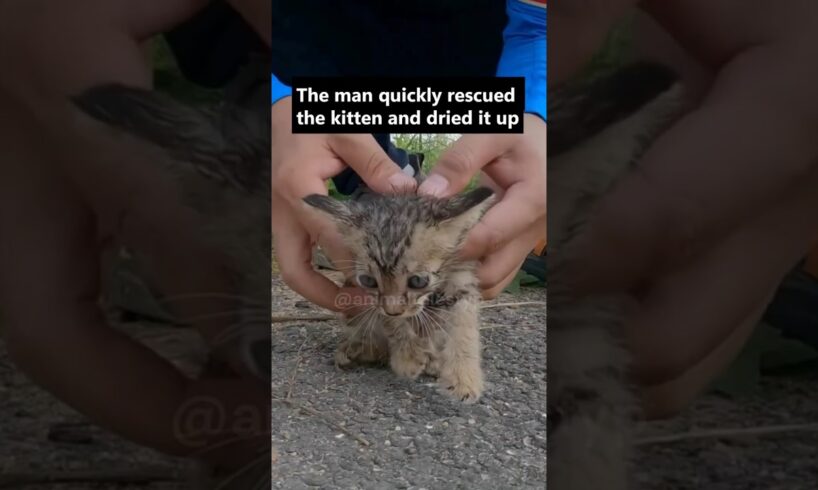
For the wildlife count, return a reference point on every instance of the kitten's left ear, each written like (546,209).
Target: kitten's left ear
(463,211)
(337,210)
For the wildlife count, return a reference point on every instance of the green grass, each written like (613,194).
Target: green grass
(613,53)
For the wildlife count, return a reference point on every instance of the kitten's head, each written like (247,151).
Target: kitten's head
(405,247)
(218,158)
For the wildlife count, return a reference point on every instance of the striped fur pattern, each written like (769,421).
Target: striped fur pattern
(219,158)
(424,314)
(597,132)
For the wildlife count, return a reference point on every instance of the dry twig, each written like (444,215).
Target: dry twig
(328,317)
(727,433)
(297,318)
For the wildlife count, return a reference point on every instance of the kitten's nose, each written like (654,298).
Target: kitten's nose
(393,305)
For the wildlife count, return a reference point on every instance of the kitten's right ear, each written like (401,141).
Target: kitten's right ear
(577,112)
(337,210)
(224,143)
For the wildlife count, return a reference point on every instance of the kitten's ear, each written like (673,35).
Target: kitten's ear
(225,143)
(461,212)
(577,112)
(337,210)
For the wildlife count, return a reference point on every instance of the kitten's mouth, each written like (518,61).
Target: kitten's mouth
(410,313)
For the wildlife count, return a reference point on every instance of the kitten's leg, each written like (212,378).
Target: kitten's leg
(436,345)
(461,375)
(359,346)
(590,407)
(408,353)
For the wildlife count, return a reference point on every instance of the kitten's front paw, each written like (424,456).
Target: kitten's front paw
(433,368)
(407,364)
(465,385)
(342,359)
(351,352)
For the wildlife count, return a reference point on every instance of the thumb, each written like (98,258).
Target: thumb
(371,163)
(462,161)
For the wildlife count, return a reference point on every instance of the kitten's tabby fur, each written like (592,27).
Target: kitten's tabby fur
(597,132)
(219,159)
(433,328)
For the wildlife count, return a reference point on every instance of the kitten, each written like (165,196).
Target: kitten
(597,131)
(425,311)
(219,159)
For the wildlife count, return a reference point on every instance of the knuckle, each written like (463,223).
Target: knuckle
(492,279)
(492,238)
(491,293)
(459,160)
(376,164)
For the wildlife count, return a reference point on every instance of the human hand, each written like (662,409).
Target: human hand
(723,205)
(67,196)
(515,165)
(301,165)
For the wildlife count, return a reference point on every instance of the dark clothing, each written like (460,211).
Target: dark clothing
(214,45)
(386,38)
(347,38)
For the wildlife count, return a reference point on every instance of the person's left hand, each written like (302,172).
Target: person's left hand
(515,167)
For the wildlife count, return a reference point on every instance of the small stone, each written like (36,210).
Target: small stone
(315,480)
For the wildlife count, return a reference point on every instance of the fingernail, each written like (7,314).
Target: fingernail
(436,185)
(400,181)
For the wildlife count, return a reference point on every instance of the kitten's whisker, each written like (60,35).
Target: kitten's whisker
(441,315)
(435,323)
(204,295)
(352,319)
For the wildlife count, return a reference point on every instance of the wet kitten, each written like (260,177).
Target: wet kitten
(219,159)
(597,131)
(425,311)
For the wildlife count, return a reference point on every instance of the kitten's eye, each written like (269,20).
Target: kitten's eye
(418,282)
(367,282)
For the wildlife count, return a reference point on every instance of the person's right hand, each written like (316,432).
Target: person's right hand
(301,165)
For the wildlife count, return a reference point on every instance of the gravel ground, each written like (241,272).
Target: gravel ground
(367,429)
(418,439)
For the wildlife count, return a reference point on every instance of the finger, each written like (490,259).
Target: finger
(497,267)
(461,161)
(293,249)
(521,209)
(145,20)
(372,164)
(495,290)
(713,170)
(687,314)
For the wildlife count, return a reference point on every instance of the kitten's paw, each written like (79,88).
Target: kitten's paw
(407,364)
(350,353)
(465,385)
(433,368)
(342,360)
